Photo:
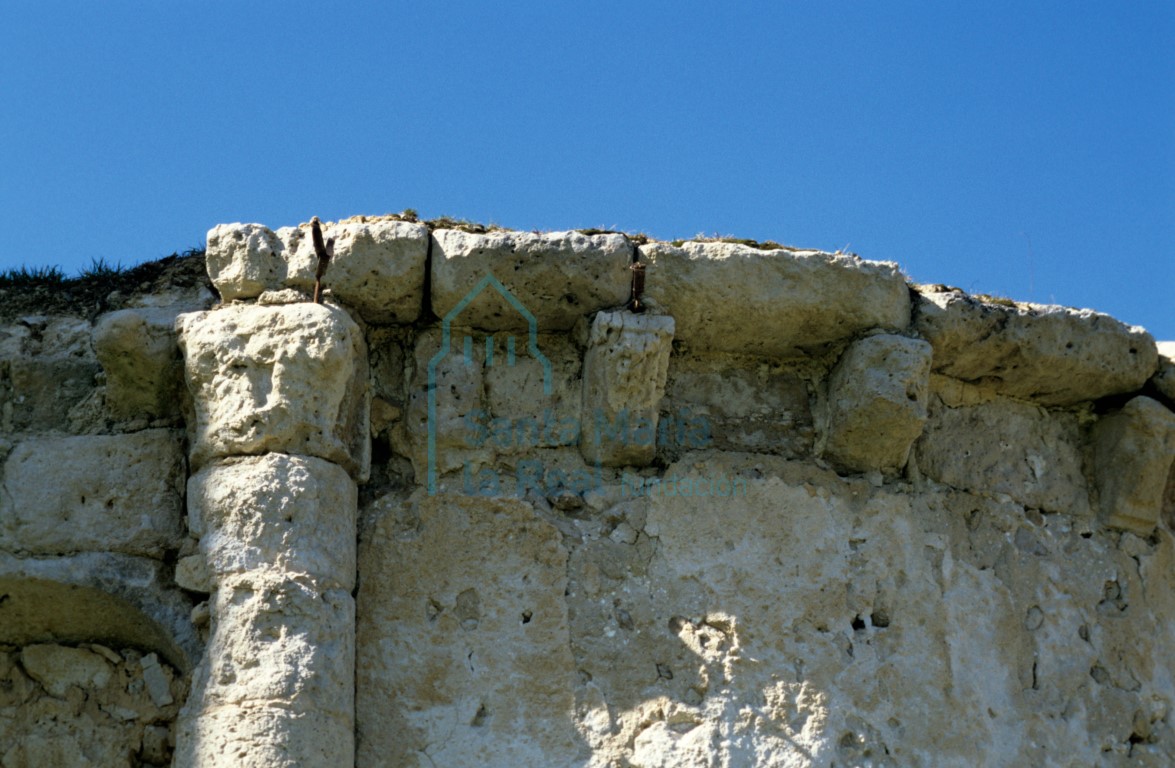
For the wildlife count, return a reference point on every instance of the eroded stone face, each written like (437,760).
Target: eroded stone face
(289,379)
(1053,355)
(624,372)
(732,298)
(558,277)
(244,260)
(1133,454)
(120,493)
(276,685)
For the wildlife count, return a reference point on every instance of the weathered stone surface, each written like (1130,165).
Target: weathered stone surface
(277,677)
(378,265)
(732,298)
(558,277)
(624,373)
(58,667)
(137,350)
(122,493)
(877,396)
(289,379)
(264,736)
(1133,454)
(810,620)
(1054,355)
(1006,447)
(84,706)
(463,654)
(292,513)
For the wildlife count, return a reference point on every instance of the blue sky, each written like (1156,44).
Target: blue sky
(1026,150)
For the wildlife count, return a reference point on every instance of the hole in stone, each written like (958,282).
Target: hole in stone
(663,671)
(526,616)
(1086,534)
(858,623)
(879,618)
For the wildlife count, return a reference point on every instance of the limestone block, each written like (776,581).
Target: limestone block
(1007,447)
(624,373)
(137,350)
(47,373)
(293,513)
(378,267)
(1133,454)
(558,277)
(1164,380)
(462,647)
(57,667)
(119,493)
(760,408)
(244,260)
(733,298)
(1053,355)
(289,379)
(877,396)
(191,573)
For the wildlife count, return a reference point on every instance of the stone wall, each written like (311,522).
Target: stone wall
(474,510)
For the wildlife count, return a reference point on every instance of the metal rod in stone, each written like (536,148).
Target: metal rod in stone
(638,287)
(324,252)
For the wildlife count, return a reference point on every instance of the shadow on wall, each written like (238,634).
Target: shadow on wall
(42,608)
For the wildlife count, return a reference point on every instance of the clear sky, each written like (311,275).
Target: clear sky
(1020,149)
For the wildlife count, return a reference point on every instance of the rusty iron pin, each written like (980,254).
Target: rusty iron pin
(638,287)
(324,251)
